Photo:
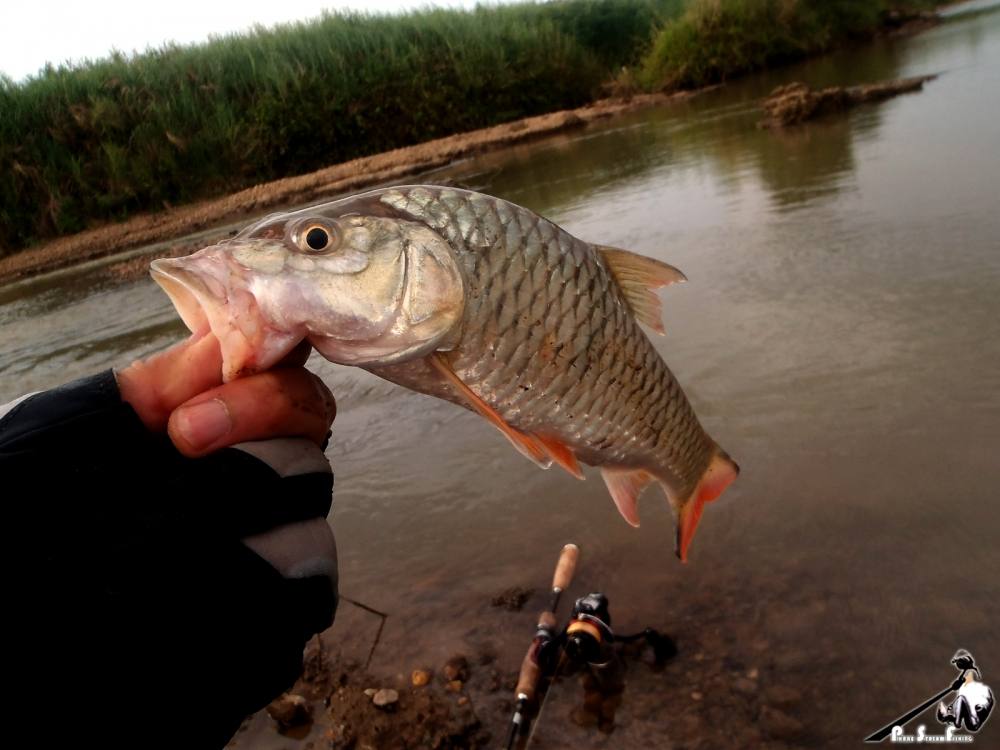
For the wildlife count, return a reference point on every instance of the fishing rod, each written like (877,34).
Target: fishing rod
(543,649)
(588,643)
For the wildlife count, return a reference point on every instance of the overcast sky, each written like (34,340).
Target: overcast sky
(33,32)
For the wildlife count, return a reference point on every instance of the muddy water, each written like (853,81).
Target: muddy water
(839,336)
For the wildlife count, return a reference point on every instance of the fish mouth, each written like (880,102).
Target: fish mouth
(211,296)
(187,292)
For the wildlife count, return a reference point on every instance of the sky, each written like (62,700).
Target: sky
(34,32)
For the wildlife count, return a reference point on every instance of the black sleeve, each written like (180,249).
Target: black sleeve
(142,619)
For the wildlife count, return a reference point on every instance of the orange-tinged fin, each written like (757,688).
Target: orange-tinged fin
(625,485)
(561,454)
(527,445)
(721,472)
(637,277)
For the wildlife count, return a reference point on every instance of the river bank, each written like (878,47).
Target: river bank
(84,147)
(368,171)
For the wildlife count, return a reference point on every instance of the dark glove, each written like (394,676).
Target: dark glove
(159,599)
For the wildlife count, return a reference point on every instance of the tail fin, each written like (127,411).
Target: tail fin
(721,473)
(625,485)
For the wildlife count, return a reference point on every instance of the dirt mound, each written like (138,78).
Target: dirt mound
(795,103)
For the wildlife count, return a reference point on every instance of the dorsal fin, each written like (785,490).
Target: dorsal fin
(637,277)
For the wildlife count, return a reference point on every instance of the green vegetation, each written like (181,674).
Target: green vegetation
(89,144)
(716,39)
(113,137)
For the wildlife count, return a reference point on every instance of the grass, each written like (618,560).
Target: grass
(98,142)
(717,39)
(84,145)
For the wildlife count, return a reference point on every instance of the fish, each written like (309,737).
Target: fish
(478,301)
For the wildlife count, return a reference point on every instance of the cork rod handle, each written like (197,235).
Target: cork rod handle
(566,567)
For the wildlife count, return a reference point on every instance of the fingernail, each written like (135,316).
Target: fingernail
(203,424)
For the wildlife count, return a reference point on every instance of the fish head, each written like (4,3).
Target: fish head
(364,289)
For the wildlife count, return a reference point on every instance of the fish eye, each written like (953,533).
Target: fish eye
(316,238)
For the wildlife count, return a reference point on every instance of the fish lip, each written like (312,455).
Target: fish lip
(187,291)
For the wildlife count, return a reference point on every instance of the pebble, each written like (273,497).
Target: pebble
(495,681)
(696,696)
(780,725)
(370,691)
(454,686)
(782,696)
(753,674)
(456,668)
(420,677)
(290,710)
(744,686)
(385,697)
(463,700)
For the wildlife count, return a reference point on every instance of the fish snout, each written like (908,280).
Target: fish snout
(210,295)
(192,292)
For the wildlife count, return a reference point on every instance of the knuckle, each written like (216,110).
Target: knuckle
(326,397)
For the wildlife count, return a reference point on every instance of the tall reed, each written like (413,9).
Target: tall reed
(716,39)
(93,143)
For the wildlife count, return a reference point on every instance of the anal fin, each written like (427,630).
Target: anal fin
(625,485)
(527,445)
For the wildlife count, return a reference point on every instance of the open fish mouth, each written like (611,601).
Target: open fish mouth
(189,294)
(201,289)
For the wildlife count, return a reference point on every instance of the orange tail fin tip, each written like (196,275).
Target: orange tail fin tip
(721,473)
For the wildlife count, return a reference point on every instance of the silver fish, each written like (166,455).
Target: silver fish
(477,301)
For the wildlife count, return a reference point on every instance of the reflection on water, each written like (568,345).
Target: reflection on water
(839,336)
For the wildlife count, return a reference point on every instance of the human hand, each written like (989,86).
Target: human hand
(180,390)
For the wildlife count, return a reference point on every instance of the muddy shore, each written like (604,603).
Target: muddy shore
(729,684)
(353,175)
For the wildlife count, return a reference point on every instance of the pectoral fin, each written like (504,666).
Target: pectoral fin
(637,276)
(561,454)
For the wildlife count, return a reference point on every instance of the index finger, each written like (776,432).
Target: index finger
(154,387)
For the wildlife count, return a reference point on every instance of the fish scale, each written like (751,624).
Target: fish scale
(588,410)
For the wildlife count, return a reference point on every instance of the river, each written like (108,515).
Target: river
(839,335)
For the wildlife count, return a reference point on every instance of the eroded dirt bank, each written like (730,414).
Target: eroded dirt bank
(795,103)
(340,178)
